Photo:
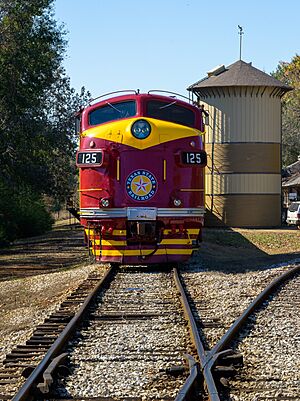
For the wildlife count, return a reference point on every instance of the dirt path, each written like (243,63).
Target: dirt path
(58,249)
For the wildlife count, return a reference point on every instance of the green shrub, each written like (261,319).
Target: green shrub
(22,214)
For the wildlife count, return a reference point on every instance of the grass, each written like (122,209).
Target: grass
(249,247)
(275,242)
(270,241)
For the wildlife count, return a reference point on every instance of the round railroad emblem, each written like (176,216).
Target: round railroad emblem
(141,185)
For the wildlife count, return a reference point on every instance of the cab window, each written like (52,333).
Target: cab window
(112,111)
(170,111)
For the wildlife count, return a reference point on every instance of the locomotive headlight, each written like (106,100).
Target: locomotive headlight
(141,129)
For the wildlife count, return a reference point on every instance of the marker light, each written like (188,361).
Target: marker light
(177,202)
(141,129)
(105,202)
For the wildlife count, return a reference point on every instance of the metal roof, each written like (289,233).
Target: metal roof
(293,168)
(292,181)
(239,73)
(291,175)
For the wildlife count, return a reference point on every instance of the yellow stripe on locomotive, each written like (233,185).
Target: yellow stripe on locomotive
(161,132)
(114,247)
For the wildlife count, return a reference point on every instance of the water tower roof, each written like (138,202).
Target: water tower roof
(239,73)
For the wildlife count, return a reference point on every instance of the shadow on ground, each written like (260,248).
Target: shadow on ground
(237,250)
(61,248)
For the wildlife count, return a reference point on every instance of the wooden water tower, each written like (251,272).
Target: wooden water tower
(243,143)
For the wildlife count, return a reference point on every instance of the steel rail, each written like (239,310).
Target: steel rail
(190,318)
(208,377)
(184,391)
(235,327)
(24,393)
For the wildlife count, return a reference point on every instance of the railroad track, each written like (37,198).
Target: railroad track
(134,343)
(271,345)
(23,359)
(147,308)
(229,318)
(134,339)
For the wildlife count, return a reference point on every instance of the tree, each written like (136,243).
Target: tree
(60,104)
(289,73)
(31,48)
(37,105)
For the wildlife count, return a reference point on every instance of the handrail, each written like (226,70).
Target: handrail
(111,93)
(137,92)
(173,93)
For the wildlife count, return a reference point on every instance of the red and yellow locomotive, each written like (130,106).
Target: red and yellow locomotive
(141,161)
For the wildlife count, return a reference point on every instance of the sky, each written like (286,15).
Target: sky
(171,44)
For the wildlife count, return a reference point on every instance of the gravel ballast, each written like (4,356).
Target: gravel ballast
(25,303)
(219,293)
(128,357)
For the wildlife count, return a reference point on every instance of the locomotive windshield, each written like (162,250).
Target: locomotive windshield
(170,112)
(112,111)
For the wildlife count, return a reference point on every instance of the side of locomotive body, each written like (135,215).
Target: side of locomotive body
(141,171)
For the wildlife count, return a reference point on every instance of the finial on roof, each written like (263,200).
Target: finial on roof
(241,32)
